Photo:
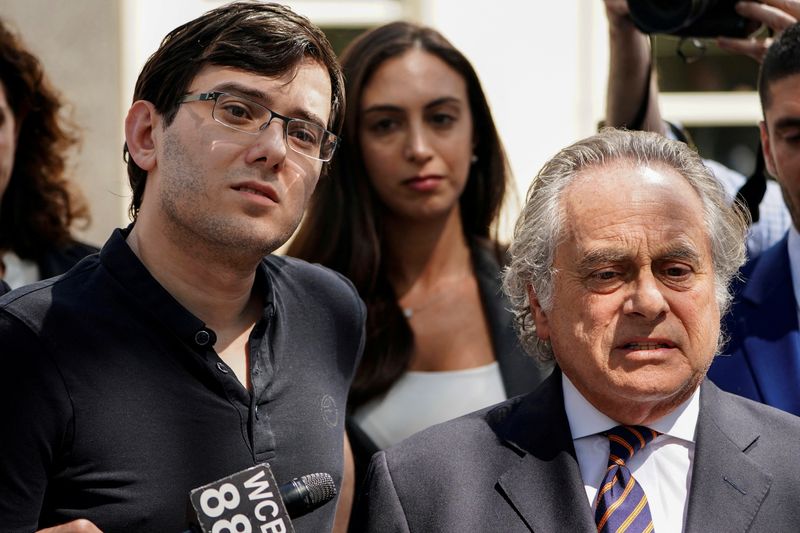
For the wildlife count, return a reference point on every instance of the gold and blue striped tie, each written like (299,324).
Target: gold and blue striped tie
(621,504)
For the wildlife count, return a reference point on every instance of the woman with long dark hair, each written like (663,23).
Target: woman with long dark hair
(408,212)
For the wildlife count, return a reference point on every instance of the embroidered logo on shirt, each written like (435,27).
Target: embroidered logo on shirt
(330,413)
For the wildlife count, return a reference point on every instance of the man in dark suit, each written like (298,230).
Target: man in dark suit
(762,360)
(620,266)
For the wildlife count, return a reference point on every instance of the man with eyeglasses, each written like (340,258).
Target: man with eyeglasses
(184,352)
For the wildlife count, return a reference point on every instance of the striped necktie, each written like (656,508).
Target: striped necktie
(621,503)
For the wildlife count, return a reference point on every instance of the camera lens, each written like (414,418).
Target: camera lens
(666,16)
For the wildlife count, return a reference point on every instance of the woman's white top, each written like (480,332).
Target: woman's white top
(421,399)
(19,272)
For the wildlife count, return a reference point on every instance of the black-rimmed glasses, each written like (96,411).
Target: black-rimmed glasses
(242,114)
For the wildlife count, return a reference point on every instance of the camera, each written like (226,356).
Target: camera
(690,18)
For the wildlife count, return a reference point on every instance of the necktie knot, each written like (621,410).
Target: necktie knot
(625,441)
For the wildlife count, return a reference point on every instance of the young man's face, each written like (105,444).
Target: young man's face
(230,189)
(780,137)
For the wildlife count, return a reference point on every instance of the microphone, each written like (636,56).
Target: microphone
(248,501)
(303,495)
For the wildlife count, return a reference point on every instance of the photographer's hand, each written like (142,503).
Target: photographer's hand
(618,13)
(775,14)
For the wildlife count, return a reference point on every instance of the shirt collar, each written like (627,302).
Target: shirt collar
(120,261)
(585,420)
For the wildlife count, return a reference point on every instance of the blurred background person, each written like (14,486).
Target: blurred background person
(632,101)
(409,214)
(762,359)
(38,205)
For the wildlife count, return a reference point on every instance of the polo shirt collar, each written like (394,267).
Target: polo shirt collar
(126,268)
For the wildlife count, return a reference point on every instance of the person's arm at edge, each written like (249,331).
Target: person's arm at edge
(347,491)
(629,70)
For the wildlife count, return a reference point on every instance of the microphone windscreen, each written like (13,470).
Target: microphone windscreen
(304,494)
(321,487)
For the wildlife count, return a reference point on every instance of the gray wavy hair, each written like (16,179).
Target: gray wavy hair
(540,226)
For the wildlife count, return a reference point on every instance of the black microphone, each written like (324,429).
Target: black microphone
(248,502)
(304,494)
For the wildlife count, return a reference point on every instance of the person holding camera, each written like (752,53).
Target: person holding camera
(632,99)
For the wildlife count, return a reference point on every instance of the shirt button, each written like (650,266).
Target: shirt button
(202,337)
(256,411)
(222,368)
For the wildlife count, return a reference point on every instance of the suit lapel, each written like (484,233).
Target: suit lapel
(772,341)
(727,486)
(545,486)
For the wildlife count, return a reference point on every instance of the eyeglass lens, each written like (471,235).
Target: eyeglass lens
(302,136)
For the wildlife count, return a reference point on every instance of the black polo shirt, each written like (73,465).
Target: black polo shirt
(114,404)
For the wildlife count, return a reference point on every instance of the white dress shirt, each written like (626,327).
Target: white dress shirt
(663,468)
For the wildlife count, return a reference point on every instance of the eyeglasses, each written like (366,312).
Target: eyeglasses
(242,114)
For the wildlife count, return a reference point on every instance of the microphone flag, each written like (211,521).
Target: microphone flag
(245,502)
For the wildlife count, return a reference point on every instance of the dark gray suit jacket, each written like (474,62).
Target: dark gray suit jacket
(512,468)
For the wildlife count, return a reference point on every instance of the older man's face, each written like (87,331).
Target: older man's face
(634,321)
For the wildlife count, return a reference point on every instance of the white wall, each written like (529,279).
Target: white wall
(536,61)
(529,66)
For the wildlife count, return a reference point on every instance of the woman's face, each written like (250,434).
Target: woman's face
(416,135)
(8,140)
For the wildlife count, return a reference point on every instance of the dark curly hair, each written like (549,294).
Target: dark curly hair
(39,205)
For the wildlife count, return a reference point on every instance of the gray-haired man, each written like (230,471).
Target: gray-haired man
(620,265)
